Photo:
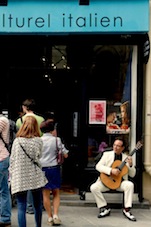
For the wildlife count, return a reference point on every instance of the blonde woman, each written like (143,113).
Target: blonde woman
(25,169)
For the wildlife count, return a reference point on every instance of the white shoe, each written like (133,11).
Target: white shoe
(56,220)
(104,212)
(129,215)
(50,221)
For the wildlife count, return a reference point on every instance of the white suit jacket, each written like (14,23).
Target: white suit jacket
(105,164)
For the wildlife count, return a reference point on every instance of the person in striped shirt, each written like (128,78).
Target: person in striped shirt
(5,198)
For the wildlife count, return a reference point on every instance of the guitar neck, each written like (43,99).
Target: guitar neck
(133,152)
(124,162)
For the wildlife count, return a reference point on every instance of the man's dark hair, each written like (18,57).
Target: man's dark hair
(121,138)
(30,104)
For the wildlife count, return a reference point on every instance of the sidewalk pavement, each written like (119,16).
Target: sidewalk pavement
(75,216)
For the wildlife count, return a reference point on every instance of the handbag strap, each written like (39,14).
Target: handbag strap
(29,156)
(21,119)
(57,149)
(6,145)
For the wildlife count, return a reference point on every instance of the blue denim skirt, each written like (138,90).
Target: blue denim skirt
(53,176)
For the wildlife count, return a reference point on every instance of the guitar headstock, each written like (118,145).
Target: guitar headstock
(139,145)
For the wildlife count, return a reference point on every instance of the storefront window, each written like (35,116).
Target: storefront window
(112,83)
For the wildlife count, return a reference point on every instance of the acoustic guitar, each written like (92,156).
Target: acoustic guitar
(113,182)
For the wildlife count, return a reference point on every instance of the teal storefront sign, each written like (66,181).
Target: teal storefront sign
(64,17)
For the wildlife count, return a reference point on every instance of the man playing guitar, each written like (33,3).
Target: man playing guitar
(114,177)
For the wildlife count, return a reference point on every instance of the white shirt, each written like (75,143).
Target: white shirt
(49,154)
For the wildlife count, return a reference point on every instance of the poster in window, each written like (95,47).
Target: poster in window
(118,119)
(97,112)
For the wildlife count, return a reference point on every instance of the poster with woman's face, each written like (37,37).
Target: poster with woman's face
(97,112)
(118,119)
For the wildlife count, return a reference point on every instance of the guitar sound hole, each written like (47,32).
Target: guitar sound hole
(112,179)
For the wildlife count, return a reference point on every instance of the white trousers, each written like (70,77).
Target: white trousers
(98,187)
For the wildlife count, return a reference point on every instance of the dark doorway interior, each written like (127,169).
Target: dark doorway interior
(62,74)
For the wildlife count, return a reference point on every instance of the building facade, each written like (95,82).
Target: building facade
(85,60)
